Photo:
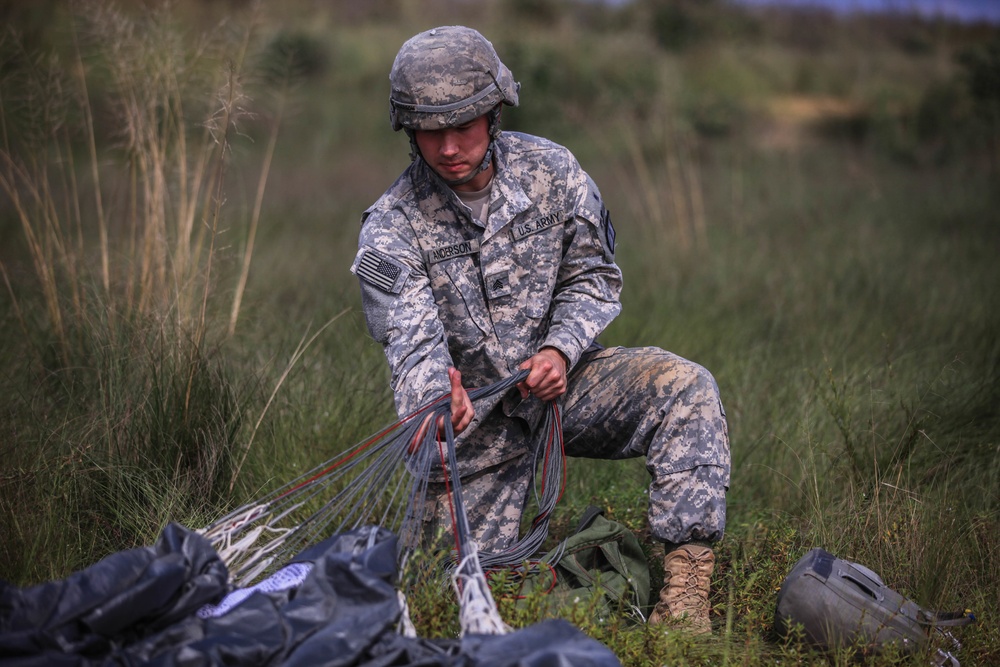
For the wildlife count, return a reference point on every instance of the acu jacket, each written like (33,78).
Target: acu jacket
(439,289)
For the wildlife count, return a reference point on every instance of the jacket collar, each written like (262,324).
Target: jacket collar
(507,198)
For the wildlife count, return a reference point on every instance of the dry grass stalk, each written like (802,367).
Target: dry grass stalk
(168,223)
(664,192)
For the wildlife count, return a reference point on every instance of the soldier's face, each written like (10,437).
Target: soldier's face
(455,152)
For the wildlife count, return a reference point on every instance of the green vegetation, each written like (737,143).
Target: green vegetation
(808,206)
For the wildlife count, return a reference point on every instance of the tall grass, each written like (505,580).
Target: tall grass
(837,275)
(661,172)
(122,211)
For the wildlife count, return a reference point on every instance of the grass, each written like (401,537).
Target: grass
(834,269)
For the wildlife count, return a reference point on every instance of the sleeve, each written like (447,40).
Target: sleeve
(400,311)
(588,287)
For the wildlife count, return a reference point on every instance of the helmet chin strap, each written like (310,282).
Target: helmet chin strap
(494,130)
(483,166)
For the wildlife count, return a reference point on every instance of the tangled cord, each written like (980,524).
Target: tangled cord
(367,484)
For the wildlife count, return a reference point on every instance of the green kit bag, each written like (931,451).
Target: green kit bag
(838,604)
(601,557)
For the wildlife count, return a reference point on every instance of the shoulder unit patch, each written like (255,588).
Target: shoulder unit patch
(609,231)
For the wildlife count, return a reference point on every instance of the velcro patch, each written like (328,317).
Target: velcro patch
(528,227)
(497,285)
(452,250)
(382,271)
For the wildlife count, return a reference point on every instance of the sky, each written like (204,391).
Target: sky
(964,10)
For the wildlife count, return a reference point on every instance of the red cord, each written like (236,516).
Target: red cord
(556,428)
(360,448)
(522,572)
(451,504)
(562,448)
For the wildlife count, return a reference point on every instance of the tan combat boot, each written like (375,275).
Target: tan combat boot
(686,577)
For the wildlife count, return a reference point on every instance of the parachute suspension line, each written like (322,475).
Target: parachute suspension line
(365,484)
(555,434)
(450,495)
(371,462)
(477,610)
(552,457)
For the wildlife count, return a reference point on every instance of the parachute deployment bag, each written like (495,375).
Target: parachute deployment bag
(838,604)
(602,557)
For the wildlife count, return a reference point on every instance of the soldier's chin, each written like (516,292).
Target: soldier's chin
(452,173)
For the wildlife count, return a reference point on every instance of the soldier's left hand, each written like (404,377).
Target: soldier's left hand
(547,379)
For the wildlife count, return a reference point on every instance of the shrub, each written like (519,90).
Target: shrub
(293,55)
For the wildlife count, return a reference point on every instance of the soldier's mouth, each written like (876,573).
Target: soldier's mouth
(452,169)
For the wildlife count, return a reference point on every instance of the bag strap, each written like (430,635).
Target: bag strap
(589,514)
(945,619)
(555,556)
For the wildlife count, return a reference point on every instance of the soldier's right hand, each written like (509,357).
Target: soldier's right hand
(462,411)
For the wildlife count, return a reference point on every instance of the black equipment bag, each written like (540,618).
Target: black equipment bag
(839,604)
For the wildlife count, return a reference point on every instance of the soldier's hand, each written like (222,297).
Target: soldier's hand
(547,379)
(462,411)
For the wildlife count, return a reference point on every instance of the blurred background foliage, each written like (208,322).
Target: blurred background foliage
(806,203)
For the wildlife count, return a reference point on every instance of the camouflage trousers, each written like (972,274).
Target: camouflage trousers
(620,403)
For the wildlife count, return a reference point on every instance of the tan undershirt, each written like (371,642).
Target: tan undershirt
(477,201)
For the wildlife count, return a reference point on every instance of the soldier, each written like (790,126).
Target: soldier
(493,252)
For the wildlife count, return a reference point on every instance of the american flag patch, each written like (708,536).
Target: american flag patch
(382,272)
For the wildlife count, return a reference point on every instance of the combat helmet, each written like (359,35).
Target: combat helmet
(445,77)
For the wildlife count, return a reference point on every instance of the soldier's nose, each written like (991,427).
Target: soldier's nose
(449,146)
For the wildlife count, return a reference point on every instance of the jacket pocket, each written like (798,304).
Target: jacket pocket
(460,301)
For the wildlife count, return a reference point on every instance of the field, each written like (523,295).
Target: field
(809,206)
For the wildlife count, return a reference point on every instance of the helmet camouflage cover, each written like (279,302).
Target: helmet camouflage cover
(445,77)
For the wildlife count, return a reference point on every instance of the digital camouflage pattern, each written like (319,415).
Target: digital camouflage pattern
(441,290)
(628,402)
(623,403)
(445,77)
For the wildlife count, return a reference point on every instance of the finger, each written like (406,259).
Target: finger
(462,411)
(523,386)
(552,383)
(459,414)
(458,394)
(543,375)
(466,417)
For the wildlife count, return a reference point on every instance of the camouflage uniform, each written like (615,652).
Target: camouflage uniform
(441,289)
